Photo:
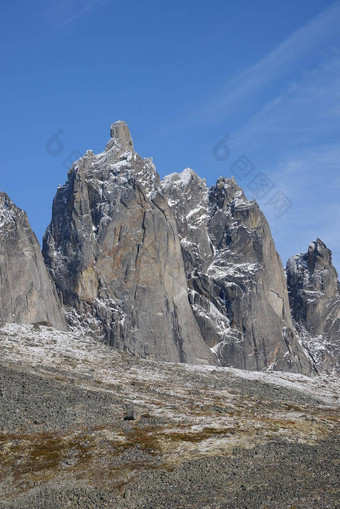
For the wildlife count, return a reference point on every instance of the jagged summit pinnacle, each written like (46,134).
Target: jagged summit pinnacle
(4,200)
(317,245)
(182,179)
(319,256)
(120,137)
(6,210)
(314,294)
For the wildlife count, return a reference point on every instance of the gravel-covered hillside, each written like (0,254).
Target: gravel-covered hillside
(201,437)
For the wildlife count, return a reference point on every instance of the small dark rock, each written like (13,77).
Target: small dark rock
(133,414)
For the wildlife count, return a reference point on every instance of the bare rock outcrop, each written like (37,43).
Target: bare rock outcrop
(26,293)
(169,270)
(314,292)
(235,277)
(113,250)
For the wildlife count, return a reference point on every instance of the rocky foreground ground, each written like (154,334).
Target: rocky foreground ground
(202,437)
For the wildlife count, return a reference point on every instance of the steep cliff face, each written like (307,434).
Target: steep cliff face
(235,277)
(26,292)
(113,251)
(314,293)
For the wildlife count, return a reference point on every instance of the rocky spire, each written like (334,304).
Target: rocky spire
(113,251)
(236,282)
(314,294)
(26,292)
(120,137)
(319,257)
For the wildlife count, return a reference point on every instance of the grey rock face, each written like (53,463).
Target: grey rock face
(26,292)
(235,277)
(314,293)
(172,270)
(113,250)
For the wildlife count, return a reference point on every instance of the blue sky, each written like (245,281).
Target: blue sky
(183,75)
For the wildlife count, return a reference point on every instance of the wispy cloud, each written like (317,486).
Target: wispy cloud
(57,15)
(306,113)
(253,87)
(306,40)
